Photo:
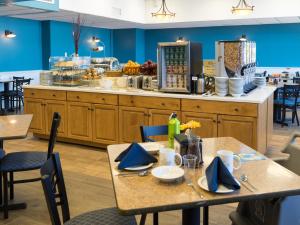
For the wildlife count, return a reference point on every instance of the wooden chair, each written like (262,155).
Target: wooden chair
(288,100)
(56,195)
(25,161)
(280,211)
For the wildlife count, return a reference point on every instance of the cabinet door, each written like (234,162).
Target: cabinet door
(105,124)
(60,107)
(130,120)
(209,127)
(160,117)
(80,121)
(240,127)
(36,107)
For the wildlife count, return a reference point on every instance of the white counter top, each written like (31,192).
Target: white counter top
(257,96)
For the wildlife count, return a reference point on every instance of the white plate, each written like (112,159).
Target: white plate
(168,173)
(202,182)
(152,147)
(137,168)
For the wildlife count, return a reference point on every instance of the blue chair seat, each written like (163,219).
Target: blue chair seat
(23,161)
(288,102)
(109,216)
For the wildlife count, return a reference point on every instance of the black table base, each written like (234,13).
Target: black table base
(16,206)
(191,216)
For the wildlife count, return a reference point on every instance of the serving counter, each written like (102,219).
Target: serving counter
(98,117)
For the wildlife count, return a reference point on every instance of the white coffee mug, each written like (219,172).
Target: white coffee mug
(168,157)
(228,159)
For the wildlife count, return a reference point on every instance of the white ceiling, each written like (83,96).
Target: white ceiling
(113,23)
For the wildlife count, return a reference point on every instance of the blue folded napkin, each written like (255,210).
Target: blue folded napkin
(217,173)
(134,155)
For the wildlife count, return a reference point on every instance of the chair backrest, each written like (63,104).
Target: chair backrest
(20,82)
(148,131)
(53,133)
(296,80)
(55,190)
(293,150)
(15,78)
(291,92)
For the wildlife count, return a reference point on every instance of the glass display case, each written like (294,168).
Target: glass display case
(68,71)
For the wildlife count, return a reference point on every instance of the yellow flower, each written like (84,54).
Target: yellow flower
(190,125)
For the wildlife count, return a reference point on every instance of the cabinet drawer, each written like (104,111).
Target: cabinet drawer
(44,94)
(92,97)
(150,102)
(226,108)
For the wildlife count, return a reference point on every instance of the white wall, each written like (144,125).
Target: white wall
(130,10)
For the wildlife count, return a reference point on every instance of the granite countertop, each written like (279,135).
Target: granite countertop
(257,96)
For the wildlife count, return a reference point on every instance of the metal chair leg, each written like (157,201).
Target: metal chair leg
(5,186)
(11,186)
(155,218)
(205,215)
(143,219)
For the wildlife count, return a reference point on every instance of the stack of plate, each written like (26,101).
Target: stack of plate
(260,81)
(236,86)
(221,86)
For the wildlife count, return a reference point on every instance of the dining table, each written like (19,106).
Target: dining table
(136,195)
(13,127)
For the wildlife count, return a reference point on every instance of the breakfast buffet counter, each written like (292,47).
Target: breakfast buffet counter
(257,96)
(100,117)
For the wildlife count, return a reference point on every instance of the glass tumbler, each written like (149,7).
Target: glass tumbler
(189,162)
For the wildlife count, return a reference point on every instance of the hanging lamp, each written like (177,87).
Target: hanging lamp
(163,12)
(242,8)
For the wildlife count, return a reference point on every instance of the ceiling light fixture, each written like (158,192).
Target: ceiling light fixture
(9,34)
(163,12)
(242,8)
(243,37)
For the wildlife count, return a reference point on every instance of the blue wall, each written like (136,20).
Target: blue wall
(61,40)
(24,51)
(277,45)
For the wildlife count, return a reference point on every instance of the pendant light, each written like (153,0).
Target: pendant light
(242,8)
(163,12)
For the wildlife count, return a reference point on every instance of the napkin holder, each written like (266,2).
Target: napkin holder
(181,146)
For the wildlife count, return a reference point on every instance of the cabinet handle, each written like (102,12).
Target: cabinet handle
(77,97)
(54,95)
(214,121)
(198,106)
(32,93)
(103,99)
(236,109)
(163,104)
(131,101)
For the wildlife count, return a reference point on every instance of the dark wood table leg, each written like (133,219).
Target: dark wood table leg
(191,216)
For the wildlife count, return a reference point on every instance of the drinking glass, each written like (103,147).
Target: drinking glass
(189,162)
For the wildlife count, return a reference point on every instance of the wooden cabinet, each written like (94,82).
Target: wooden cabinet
(36,107)
(209,126)
(60,107)
(105,124)
(242,128)
(130,120)
(80,121)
